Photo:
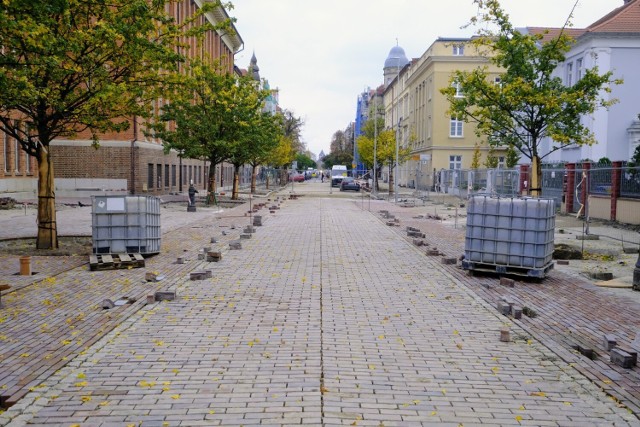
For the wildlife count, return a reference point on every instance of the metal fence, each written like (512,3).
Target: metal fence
(460,183)
(630,182)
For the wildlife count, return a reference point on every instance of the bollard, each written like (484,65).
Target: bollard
(25,266)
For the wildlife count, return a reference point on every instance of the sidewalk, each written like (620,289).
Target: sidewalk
(326,316)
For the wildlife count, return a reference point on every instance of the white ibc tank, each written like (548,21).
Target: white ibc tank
(512,232)
(126,224)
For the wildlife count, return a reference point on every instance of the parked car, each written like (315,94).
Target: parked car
(348,183)
(336,180)
(296,177)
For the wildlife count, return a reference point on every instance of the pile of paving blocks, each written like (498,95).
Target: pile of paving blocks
(391,219)
(507,307)
(623,356)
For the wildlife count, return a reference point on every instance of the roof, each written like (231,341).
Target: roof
(396,58)
(625,19)
(549,34)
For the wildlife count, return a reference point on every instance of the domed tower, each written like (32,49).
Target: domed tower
(254,70)
(395,61)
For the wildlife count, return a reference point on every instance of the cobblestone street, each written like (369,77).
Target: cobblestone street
(326,316)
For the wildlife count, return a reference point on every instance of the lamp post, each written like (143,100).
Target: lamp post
(375,143)
(397,171)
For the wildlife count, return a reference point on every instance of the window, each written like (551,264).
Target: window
(429,127)
(173,175)
(7,152)
(455,162)
(501,162)
(578,69)
(458,87)
(166,176)
(569,79)
(150,180)
(455,129)
(159,172)
(27,162)
(497,81)
(16,155)
(458,49)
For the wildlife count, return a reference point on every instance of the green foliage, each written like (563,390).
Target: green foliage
(69,66)
(339,158)
(475,160)
(636,156)
(511,157)
(492,161)
(64,70)
(529,104)
(283,154)
(216,118)
(305,162)
(604,161)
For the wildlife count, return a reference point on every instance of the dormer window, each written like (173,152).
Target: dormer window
(458,49)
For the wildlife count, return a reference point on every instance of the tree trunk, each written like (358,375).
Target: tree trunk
(236,183)
(211,185)
(536,177)
(47,227)
(390,179)
(253,179)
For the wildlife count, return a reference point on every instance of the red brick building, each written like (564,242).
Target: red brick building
(126,162)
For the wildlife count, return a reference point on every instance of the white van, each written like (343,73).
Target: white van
(337,173)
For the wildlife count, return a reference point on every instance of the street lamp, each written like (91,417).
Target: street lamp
(375,143)
(397,171)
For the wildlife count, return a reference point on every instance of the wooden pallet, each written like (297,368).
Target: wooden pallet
(538,273)
(115,261)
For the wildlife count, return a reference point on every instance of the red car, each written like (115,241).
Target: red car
(296,177)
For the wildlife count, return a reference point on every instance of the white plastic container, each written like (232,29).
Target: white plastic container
(126,224)
(516,233)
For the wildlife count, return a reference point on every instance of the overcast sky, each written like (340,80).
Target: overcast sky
(322,55)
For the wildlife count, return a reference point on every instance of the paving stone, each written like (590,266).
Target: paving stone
(313,326)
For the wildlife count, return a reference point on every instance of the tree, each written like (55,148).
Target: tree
(304,162)
(292,129)
(282,156)
(265,137)
(511,157)
(245,105)
(73,66)
(386,151)
(530,103)
(491,162)
(475,160)
(211,117)
(338,158)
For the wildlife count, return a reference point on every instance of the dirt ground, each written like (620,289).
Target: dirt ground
(68,246)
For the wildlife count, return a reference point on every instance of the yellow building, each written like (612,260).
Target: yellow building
(417,111)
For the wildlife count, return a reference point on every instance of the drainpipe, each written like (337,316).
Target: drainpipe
(132,186)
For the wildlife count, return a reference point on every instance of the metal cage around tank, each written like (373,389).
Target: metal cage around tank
(126,224)
(510,235)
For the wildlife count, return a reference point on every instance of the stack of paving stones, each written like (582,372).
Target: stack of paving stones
(575,333)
